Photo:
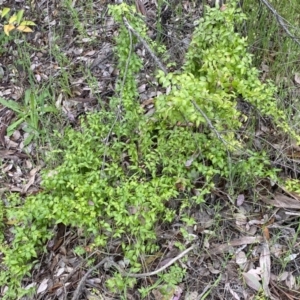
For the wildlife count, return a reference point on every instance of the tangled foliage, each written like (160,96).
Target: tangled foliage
(121,170)
(218,71)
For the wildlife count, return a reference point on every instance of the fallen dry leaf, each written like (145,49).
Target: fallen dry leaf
(43,286)
(232,292)
(252,281)
(212,269)
(191,296)
(265,265)
(290,281)
(31,179)
(282,201)
(240,199)
(297,78)
(241,258)
(277,250)
(228,247)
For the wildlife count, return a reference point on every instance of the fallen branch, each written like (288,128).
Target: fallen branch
(281,21)
(142,275)
(84,278)
(126,274)
(209,123)
(144,43)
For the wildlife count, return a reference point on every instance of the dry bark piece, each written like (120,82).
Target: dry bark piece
(282,201)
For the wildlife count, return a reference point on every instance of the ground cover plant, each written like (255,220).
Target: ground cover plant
(119,176)
(16,20)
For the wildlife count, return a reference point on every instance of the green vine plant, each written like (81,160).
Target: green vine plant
(122,169)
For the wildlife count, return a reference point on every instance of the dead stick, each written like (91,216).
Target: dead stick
(142,275)
(84,278)
(155,58)
(281,21)
(123,273)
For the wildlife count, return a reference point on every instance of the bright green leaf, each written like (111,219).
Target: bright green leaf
(27,23)
(11,128)
(20,16)
(11,105)
(5,11)
(12,19)
(28,140)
